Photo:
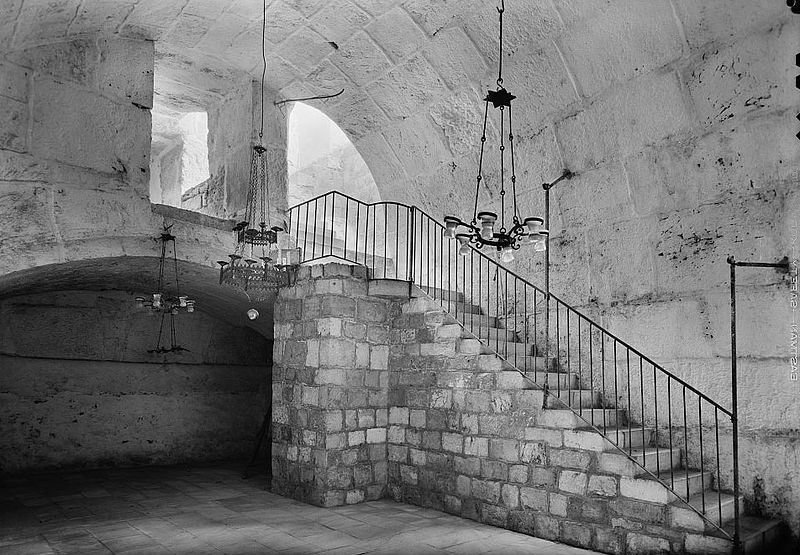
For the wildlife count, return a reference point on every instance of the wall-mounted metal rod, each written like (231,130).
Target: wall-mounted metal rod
(782,264)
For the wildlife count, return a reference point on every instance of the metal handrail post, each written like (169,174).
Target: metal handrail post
(547,186)
(737,544)
(782,265)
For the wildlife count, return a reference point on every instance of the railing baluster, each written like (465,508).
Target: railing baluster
(346,225)
(580,372)
(641,404)
(591,368)
(528,350)
(628,366)
(515,324)
(616,392)
(702,476)
(557,357)
(569,369)
(396,241)
(603,374)
(719,485)
(655,398)
(685,441)
(669,414)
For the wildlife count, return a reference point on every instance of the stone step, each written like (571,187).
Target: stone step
(565,418)
(633,437)
(575,398)
(437,293)
(510,349)
(531,364)
(647,457)
(511,379)
(489,362)
(696,481)
(458,308)
(563,380)
(713,505)
(762,536)
(493,334)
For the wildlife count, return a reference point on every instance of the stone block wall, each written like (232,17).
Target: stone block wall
(435,421)
(74,150)
(79,389)
(330,388)
(467,437)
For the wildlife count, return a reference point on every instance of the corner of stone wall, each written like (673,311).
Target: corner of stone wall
(330,388)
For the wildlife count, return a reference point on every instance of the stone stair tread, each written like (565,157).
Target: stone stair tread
(712,500)
(760,535)
(680,473)
(613,429)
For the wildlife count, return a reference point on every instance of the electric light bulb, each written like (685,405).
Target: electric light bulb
(156,300)
(182,301)
(252,314)
(507,255)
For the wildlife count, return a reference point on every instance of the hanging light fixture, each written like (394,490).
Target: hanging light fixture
(251,268)
(169,305)
(485,228)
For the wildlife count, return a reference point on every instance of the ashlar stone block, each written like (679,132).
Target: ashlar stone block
(572,482)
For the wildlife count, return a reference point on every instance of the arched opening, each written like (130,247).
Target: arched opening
(321,158)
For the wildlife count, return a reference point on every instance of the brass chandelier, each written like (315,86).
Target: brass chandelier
(251,267)
(485,229)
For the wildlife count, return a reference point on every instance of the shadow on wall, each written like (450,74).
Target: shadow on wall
(80,389)
(321,158)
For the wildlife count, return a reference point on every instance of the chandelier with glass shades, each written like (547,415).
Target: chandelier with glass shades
(164,302)
(251,267)
(485,229)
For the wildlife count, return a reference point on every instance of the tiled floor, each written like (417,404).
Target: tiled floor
(212,510)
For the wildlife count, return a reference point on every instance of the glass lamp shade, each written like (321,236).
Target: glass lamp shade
(487,224)
(182,301)
(463,240)
(526,239)
(507,255)
(450,223)
(540,241)
(156,300)
(534,225)
(139,302)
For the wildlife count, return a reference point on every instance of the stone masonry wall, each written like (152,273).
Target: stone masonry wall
(467,437)
(430,419)
(74,149)
(330,388)
(82,391)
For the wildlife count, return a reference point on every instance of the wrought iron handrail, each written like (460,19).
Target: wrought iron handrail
(433,264)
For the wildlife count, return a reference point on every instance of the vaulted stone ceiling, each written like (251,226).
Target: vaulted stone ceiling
(414,71)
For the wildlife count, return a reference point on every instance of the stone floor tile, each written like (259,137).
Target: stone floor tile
(212,510)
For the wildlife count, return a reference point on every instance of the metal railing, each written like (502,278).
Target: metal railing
(578,362)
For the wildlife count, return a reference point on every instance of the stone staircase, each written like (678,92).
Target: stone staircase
(636,470)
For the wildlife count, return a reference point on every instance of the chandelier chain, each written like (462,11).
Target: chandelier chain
(264,60)
(480,164)
(500,10)
(513,168)
(502,174)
